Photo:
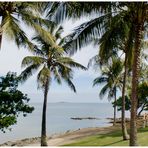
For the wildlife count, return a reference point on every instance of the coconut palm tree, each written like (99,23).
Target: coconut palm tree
(13,14)
(121,38)
(115,37)
(137,16)
(111,76)
(51,62)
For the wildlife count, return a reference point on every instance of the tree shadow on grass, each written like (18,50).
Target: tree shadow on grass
(114,135)
(109,144)
(111,134)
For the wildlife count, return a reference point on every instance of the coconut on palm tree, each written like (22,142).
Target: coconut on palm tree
(51,63)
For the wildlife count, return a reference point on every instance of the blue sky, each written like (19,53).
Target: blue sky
(11,57)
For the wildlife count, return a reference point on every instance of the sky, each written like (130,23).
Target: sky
(11,57)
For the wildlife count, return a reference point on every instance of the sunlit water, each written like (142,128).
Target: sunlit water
(59,119)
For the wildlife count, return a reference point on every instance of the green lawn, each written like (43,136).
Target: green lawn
(111,139)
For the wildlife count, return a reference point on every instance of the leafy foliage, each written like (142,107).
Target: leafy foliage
(12,101)
(119,103)
(142,99)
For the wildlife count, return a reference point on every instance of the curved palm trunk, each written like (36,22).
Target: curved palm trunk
(43,132)
(135,72)
(139,114)
(115,108)
(124,129)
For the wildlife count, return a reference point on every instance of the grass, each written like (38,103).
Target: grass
(111,139)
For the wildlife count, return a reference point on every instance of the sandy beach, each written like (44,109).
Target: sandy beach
(61,139)
(71,135)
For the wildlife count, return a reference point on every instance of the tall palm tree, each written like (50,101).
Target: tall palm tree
(85,33)
(50,62)
(13,14)
(116,37)
(111,76)
(137,16)
(121,38)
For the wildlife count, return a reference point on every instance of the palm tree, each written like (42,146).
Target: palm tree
(111,76)
(117,37)
(13,14)
(139,19)
(137,16)
(51,62)
(121,38)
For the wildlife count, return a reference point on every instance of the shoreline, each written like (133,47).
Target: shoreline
(61,138)
(69,136)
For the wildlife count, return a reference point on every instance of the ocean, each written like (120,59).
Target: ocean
(59,119)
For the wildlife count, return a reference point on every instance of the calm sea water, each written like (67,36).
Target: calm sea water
(58,119)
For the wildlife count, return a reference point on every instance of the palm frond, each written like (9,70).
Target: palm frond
(70,84)
(114,36)
(60,11)
(45,35)
(59,32)
(69,62)
(99,80)
(104,91)
(36,7)
(63,70)
(57,76)
(31,19)
(36,60)
(28,72)
(111,94)
(85,33)
(11,27)
(95,62)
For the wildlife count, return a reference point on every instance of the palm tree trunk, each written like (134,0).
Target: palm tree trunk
(142,108)
(43,132)
(124,129)
(135,72)
(1,32)
(0,37)
(115,108)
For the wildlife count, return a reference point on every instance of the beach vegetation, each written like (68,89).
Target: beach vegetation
(13,101)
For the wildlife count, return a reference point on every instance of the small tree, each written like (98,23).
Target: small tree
(12,101)
(142,99)
(119,103)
